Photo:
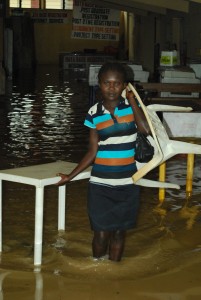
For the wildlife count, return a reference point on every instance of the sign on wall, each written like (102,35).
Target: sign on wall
(44,16)
(94,22)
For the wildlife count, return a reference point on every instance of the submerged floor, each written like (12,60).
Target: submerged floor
(162,258)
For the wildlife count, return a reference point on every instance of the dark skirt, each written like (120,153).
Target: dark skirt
(113,208)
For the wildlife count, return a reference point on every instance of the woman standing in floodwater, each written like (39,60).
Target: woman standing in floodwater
(113,199)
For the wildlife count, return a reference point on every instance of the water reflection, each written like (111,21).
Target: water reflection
(39,286)
(38,293)
(43,122)
(44,287)
(177,173)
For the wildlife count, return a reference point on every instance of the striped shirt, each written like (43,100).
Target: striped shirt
(114,163)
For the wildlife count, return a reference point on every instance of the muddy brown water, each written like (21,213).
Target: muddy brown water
(42,121)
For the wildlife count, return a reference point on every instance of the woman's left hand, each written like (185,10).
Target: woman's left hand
(130,96)
(64,179)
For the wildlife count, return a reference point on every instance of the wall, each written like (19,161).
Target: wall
(1,39)
(52,39)
(153,29)
(189,43)
(2,72)
(193,32)
(146,43)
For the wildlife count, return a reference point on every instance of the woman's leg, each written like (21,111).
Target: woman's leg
(117,240)
(100,243)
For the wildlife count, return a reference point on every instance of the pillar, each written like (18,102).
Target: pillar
(2,72)
(131,25)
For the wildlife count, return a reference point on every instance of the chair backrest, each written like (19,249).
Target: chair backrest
(160,138)
(166,145)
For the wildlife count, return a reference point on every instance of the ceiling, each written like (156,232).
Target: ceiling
(142,6)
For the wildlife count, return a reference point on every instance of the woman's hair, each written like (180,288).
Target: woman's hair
(113,66)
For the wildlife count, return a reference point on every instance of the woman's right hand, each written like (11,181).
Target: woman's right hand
(64,179)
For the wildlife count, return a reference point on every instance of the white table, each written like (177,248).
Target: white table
(41,176)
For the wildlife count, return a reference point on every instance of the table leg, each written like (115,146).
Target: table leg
(0,215)
(39,286)
(38,225)
(61,207)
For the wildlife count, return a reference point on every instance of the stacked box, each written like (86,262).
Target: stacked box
(169,58)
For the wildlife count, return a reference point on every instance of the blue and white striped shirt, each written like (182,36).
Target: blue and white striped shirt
(114,163)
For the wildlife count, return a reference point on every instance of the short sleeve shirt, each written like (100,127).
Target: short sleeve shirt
(114,164)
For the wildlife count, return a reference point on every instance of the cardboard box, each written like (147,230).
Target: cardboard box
(169,58)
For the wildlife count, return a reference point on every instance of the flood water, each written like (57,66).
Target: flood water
(42,121)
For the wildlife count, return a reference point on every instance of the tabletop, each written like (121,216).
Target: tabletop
(43,174)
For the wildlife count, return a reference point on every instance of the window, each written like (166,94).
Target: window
(30,3)
(14,3)
(68,4)
(48,4)
(59,4)
(54,4)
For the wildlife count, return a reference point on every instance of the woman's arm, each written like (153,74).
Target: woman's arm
(140,118)
(86,161)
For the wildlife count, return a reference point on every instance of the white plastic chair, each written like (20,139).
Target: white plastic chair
(164,147)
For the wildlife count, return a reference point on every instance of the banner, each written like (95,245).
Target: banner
(94,22)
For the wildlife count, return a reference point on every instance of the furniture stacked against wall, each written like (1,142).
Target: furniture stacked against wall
(186,94)
(76,65)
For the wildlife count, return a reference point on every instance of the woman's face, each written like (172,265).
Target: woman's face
(111,84)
